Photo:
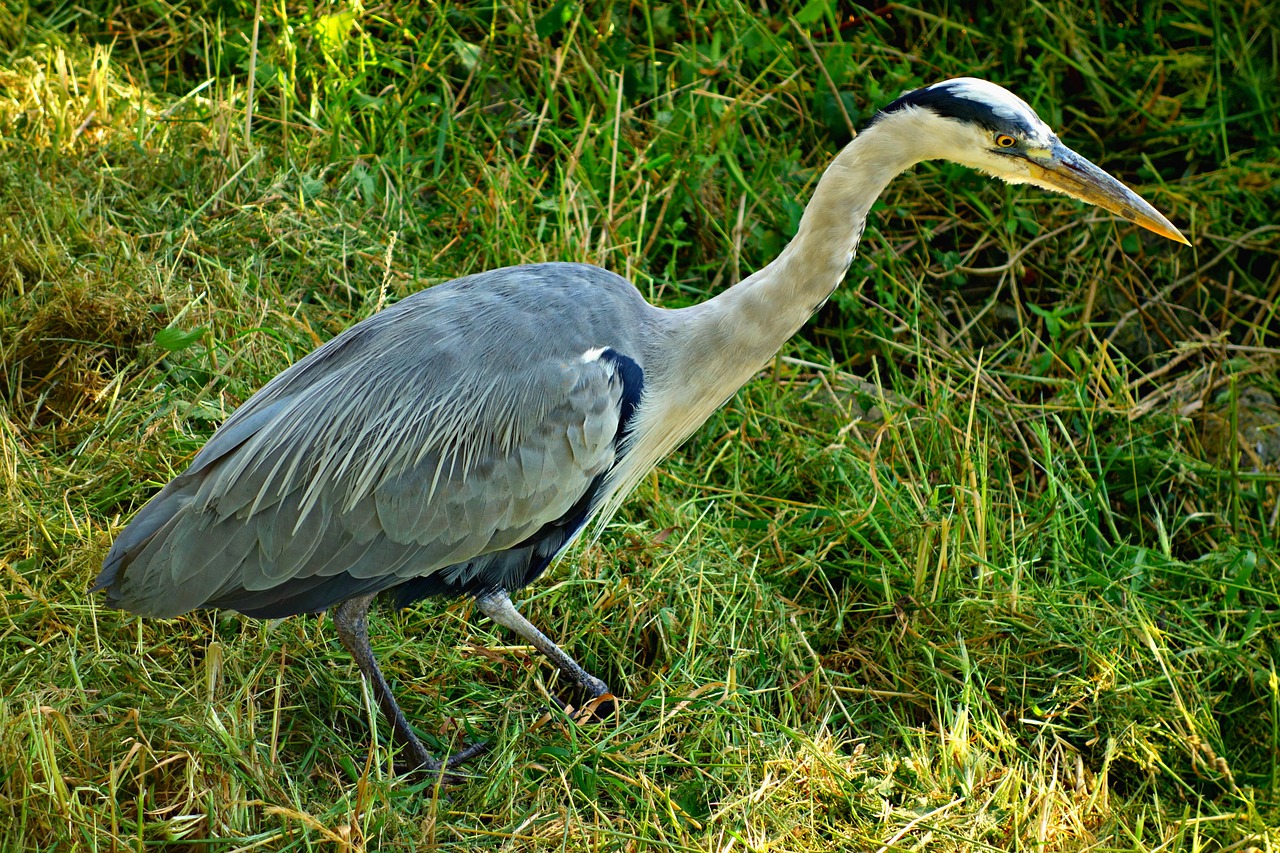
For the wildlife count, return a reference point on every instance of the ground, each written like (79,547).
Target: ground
(986,559)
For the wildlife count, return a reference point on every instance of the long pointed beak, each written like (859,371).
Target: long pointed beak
(1067,172)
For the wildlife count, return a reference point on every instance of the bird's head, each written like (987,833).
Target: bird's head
(986,127)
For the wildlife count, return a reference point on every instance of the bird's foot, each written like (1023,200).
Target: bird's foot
(415,760)
(590,701)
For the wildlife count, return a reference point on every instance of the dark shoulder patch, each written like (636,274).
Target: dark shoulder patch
(632,386)
(521,564)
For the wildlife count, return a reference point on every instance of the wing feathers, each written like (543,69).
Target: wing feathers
(287,508)
(458,423)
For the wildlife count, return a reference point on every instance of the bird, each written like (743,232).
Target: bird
(457,442)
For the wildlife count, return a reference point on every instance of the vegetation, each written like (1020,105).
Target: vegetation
(985,561)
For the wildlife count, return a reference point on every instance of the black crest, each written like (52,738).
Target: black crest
(957,99)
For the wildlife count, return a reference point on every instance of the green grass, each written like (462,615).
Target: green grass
(986,560)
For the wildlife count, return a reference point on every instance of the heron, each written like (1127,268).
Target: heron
(457,442)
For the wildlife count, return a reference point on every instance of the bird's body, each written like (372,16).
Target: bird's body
(358,469)
(456,442)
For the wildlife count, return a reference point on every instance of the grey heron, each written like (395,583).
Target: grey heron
(455,443)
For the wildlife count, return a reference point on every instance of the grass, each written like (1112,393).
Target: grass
(986,560)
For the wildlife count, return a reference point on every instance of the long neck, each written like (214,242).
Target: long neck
(709,350)
(736,332)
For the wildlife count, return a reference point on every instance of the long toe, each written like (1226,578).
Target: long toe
(414,760)
(467,754)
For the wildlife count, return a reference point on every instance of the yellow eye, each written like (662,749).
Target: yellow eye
(1004,140)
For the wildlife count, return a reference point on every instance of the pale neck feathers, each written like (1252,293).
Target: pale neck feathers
(710,350)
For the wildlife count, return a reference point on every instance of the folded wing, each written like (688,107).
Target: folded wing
(409,448)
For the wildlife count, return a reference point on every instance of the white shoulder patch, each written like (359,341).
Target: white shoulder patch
(593,354)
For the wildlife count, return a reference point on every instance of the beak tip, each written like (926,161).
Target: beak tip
(1164,228)
(1067,172)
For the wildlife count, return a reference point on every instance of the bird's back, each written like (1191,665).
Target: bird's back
(456,436)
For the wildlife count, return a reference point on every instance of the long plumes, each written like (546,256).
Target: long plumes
(374,434)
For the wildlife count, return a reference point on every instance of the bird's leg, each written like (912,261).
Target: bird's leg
(498,607)
(351,618)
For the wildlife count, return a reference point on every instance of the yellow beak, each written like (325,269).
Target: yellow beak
(1066,171)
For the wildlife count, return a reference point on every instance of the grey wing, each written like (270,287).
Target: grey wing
(384,466)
